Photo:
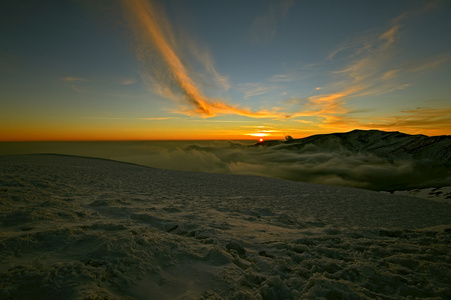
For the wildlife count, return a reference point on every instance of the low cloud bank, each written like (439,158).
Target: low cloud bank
(333,166)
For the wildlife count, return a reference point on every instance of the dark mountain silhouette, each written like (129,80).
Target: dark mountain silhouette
(390,145)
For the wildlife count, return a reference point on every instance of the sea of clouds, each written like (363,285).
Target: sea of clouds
(333,166)
(324,165)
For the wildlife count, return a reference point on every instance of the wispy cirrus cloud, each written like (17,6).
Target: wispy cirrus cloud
(389,36)
(371,66)
(206,59)
(428,120)
(252,89)
(72,79)
(153,31)
(157,49)
(368,67)
(128,81)
(158,118)
(77,89)
(282,78)
(264,27)
(422,65)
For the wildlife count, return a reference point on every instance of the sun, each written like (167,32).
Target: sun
(261,140)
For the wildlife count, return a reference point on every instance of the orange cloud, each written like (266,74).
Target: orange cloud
(153,32)
(147,25)
(370,71)
(158,119)
(389,36)
(327,106)
(429,121)
(223,108)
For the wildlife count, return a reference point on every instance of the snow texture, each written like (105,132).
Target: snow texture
(83,228)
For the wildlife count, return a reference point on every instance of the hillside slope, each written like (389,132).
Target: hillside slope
(391,145)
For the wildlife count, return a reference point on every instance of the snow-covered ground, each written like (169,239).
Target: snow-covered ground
(77,228)
(440,194)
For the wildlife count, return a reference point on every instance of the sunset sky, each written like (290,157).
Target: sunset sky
(145,70)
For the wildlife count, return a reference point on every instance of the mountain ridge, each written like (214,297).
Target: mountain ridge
(388,144)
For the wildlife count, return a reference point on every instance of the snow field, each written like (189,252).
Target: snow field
(81,228)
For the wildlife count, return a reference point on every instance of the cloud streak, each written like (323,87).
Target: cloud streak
(149,26)
(154,38)
(371,67)
(367,69)
(253,89)
(73,79)
(128,81)
(158,119)
(426,120)
(264,27)
(206,59)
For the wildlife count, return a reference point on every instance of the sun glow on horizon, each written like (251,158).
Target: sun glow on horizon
(258,134)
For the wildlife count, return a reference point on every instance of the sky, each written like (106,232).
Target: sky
(191,70)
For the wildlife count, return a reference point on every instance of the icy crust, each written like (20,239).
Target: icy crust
(80,228)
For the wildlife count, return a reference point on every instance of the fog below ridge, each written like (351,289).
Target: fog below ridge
(332,165)
(310,164)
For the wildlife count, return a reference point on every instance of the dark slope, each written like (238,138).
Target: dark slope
(391,145)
